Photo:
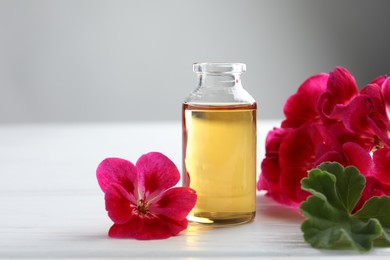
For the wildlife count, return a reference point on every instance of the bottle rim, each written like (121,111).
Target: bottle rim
(218,67)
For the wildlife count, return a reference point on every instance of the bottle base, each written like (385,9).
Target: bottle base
(221,219)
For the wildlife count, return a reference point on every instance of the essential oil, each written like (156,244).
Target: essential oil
(219,161)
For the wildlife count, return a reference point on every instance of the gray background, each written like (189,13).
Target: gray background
(87,61)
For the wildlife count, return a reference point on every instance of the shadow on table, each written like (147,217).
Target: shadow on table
(268,208)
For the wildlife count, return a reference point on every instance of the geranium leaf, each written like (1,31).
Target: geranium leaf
(362,234)
(378,208)
(329,223)
(322,185)
(327,228)
(349,183)
(321,229)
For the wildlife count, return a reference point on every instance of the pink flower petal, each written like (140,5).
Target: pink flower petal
(378,115)
(290,182)
(145,228)
(274,139)
(341,88)
(130,229)
(365,116)
(302,148)
(270,169)
(120,173)
(116,170)
(270,175)
(373,187)
(175,203)
(386,95)
(301,151)
(329,156)
(325,107)
(357,156)
(379,80)
(118,204)
(343,136)
(355,115)
(380,127)
(156,173)
(342,85)
(297,151)
(301,107)
(382,165)
(373,91)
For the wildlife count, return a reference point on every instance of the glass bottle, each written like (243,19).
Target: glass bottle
(219,145)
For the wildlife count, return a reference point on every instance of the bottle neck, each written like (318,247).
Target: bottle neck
(219,80)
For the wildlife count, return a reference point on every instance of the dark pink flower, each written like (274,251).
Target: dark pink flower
(301,107)
(271,171)
(328,119)
(379,80)
(341,88)
(365,115)
(141,199)
(374,187)
(381,159)
(290,153)
(343,135)
(386,94)
(341,85)
(356,155)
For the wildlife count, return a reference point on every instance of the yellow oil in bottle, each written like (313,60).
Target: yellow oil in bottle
(219,161)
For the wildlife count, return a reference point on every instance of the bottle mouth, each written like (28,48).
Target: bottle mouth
(218,67)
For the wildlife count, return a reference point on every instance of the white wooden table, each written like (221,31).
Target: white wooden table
(51,205)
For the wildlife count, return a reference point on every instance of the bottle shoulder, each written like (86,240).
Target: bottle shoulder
(219,106)
(219,96)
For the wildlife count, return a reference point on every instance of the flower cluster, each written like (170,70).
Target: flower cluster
(329,119)
(140,199)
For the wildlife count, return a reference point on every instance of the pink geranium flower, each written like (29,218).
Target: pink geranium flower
(329,119)
(289,154)
(341,88)
(301,107)
(141,199)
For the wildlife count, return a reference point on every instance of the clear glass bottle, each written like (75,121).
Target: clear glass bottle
(219,145)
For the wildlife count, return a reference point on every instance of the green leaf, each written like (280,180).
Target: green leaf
(321,229)
(378,208)
(349,183)
(329,222)
(361,234)
(322,184)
